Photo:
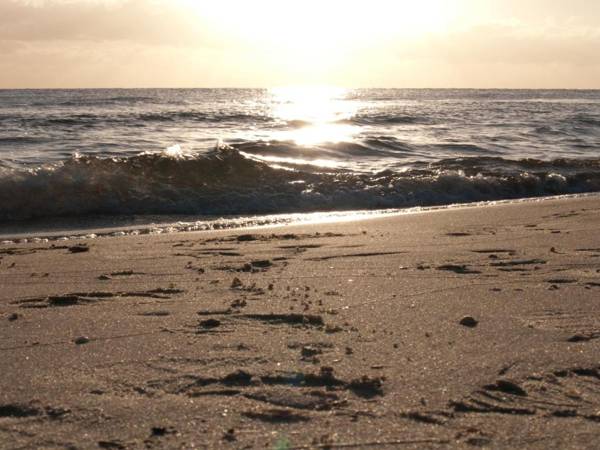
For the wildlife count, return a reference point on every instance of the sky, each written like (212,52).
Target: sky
(267,43)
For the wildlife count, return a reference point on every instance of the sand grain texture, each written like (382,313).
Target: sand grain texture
(317,336)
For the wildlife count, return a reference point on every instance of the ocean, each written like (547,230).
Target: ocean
(206,153)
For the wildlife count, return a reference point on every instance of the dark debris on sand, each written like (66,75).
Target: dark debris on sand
(469,322)
(79,248)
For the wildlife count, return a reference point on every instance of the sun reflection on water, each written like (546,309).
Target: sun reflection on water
(316,115)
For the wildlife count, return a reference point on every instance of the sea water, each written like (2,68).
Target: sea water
(235,152)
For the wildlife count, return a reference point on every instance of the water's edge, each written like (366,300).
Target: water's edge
(103,227)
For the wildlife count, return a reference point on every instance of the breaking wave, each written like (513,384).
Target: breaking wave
(228,182)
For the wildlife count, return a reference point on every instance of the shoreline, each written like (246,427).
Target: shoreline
(92,227)
(457,327)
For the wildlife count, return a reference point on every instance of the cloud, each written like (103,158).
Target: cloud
(105,43)
(93,43)
(510,44)
(156,22)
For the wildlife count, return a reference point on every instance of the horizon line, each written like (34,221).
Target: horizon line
(305,86)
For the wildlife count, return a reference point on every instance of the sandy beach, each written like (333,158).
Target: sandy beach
(459,328)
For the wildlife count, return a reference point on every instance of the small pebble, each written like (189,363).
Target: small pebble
(162,431)
(82,340)
(469,321)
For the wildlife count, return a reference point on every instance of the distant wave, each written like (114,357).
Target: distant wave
(140,118)
(203,116)
(136,118)
(97,101)
(385,119)
(352,151)
(20,140)
(224,182)
(351,154)
(587,120)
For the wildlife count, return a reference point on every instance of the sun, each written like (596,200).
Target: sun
(320,33)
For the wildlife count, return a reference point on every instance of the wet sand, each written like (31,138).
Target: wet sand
(463,328)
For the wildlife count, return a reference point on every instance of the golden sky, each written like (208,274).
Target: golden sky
(265,43)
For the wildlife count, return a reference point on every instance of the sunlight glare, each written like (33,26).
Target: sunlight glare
(316,113)
(316,33)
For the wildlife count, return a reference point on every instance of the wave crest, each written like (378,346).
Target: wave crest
(224,182)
